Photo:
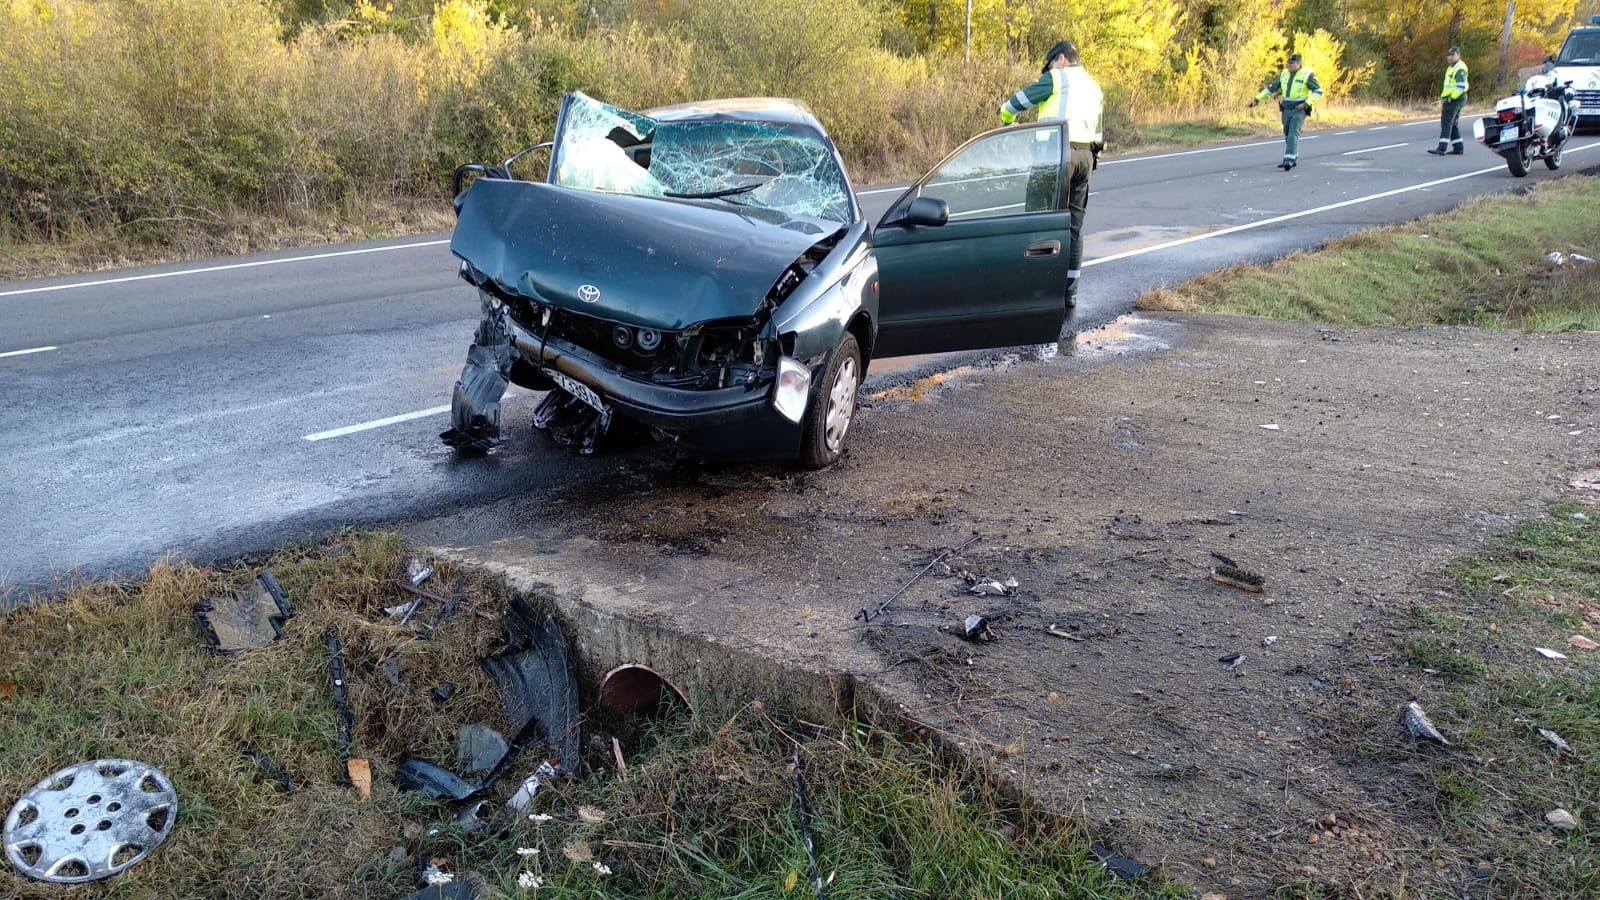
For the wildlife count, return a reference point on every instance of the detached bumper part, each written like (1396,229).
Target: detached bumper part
(475,405)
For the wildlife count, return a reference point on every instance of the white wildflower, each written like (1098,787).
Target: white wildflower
(527,851)
(539,818)
(602,868)
(529,881)
(440,878)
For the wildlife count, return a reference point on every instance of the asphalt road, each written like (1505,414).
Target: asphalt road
(221,408)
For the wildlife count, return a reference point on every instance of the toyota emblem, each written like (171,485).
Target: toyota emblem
(588,293)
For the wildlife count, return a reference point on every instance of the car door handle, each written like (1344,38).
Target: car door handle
(1042,249)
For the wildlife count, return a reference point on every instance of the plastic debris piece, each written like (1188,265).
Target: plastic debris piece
(1234,660)
(403,610)
(1052,629)
(280,778)
(976,628)
(1555,258)
(1011,583)
(1547,653)
(1269,640)
(989,588)
(1561,819)
(1555,740)
(530,786)
(472,816)
(432,779)
(1417,723)
(1271,426)
(479,747)
(443,692)
(245,620)
(418,571)
(344,721)
(536,676)
(1582,643)
(1124,868)
(1579,258)
(360,773)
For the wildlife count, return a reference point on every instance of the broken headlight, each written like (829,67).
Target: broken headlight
(793,389)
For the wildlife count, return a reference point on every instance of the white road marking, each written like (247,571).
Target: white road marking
(222,268)
(887,190)
(1338,133)
(1378,128)
(1302,214)
(1129,159)
(1376,149)
(376,423)
(25,352)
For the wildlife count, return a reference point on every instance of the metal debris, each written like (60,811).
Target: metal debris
(90,821)
(1555,259)
(1579,258)
(245,620)
(418,571)
(1417,723)
(864,616)
(1555,739)
(530,786)
(432,779)
(976,628)
(802,810)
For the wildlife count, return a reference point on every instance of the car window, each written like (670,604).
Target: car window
(1001,175)
(774,165)
(1582,49)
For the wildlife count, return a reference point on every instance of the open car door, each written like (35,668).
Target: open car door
(994,274)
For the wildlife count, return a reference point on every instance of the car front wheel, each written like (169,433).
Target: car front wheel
(827,423)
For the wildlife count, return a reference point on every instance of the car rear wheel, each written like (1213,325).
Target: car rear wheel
(827,423)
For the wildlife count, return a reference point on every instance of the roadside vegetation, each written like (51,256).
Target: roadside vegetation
(705,807)
(133,130)
(1488,263)
(1469,654)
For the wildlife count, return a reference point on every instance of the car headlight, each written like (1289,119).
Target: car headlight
(793,389)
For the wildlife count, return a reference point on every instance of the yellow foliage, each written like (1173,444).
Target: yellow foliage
(1323,54)
(465,39)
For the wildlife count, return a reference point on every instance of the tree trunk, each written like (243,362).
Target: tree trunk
(1505,39)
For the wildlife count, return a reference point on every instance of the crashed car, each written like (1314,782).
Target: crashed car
(704,270)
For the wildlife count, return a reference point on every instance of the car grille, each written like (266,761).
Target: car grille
(595,335)
(1589,99)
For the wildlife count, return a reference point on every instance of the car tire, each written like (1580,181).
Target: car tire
(827,422)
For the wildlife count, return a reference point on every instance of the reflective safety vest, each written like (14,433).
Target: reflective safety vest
(1294,86)
(1455,81)
(1077,99)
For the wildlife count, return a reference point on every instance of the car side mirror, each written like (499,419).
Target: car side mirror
(928,211)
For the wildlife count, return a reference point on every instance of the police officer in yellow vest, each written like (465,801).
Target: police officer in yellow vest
(1065,91)
(1297,91)
(1452,98)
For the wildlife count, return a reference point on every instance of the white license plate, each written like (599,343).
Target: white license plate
(579,390)
(1508,133)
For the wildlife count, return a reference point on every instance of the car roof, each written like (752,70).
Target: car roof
(749,109)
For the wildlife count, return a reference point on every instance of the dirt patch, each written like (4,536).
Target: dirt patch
(1246,740)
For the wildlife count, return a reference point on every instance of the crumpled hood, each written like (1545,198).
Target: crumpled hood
(642,261)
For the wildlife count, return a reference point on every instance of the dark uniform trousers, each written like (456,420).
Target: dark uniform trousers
(1450,122)
(1079,165)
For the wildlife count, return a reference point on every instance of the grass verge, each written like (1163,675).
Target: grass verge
(1538,588)
(705,807)
(1483,264)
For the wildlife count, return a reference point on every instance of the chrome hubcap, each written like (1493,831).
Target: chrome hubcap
(841,405)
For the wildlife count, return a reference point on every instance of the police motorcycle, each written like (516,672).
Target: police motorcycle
(1534,123)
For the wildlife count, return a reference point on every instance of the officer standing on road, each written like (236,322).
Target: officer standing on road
(1452,98)
(1065,91)
(1297,91)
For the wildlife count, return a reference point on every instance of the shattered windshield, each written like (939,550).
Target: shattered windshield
(1581,49)
(775,165)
